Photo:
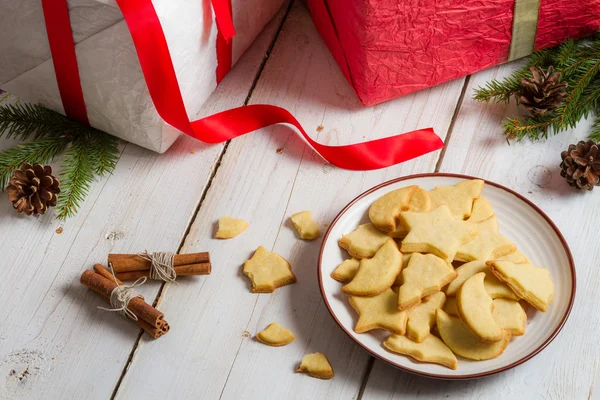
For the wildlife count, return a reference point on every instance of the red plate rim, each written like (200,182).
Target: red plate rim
(442,376)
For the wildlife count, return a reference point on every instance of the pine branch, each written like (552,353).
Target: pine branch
(78,170)
(595,132)
(531,127)
(42,151)
(107,153)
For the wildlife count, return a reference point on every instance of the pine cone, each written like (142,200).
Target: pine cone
(33,189)
(579,166)
(542,93)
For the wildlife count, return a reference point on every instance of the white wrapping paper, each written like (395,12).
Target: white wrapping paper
(114,89)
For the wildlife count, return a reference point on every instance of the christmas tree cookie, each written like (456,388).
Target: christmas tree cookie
(459,198)
(431,349)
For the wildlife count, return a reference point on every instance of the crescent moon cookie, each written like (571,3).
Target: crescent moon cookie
(493,286)
(431,349)
(436,232)
(379,312)
(420,201)
(464,343)
(275,335)
(346,270)
(510,316)
(364,241)
(267,271)
(475,309)
(376,274)
(459,198)
(384,210)
(422,317)
(424,275)
(531,283)
(487,245)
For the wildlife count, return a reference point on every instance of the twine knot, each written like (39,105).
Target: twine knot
(161,266)
(122,295)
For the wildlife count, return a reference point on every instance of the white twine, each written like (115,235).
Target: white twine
(122,295)
(161,266)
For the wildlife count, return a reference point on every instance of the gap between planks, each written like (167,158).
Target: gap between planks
(204,193)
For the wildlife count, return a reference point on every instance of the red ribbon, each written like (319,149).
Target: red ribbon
(155,60)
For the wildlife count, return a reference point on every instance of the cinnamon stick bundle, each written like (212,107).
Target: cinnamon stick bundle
(150,319)
(132,266)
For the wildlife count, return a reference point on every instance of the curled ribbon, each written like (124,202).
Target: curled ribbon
(157,67)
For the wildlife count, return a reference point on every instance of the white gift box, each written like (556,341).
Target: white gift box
(114,88)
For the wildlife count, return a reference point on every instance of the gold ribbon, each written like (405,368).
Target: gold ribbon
(524,29)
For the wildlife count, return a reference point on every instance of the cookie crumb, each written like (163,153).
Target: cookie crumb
(279,150)
(193,151)
(59,230)
(319,128)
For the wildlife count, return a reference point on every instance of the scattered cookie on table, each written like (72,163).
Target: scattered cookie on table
(424,275)
(267,271)
(364,241)
(459,198)
(475,309)
(379,312)
(230,227)
(306,226)
(531,283)
(422,317)
(431,349)
(275,335)
(376,274)
(493,286)
(346,271)
(489,244)
(510,315)
(316,365)
(436,232)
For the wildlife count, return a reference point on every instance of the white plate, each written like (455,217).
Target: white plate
(520,220)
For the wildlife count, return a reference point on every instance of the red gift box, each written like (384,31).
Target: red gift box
(389,48)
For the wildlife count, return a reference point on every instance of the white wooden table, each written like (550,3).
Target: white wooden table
(55,343)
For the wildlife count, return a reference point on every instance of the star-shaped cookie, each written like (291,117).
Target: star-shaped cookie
(482,210)
(267,271)
(458,198)
(436,232)
(487,245)
(379,312)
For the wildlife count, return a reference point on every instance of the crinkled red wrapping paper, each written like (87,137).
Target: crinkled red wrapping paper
(389,48)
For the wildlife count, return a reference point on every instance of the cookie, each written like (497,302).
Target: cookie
(379,312)
(316,365)
(482,210)
(436,232)
(531,283)
(510,315)
(376,274)
(516,257)
(493,286)
(346,270)
(464,343)
(450,306)
(487,245)
(364,241)
(306,226)
(475,309)
(230,227)
(405,259)
(431,350)
(384,210)
(267,271)
(420,201)
(458,198)
(275,335)
(424,275)
(422,317)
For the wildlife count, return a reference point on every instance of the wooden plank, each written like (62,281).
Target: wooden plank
(54,343)
(264,178)
(568,367)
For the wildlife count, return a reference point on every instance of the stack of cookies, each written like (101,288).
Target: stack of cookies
(433,269)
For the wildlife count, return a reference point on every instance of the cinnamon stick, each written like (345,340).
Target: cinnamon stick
(133,262)
(184,270)
(138,306)
(99,268)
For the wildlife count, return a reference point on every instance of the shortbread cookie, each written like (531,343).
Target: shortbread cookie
(493,286)
(306,226)
(420,201)
(230,227)
(267,271)
(405,259)
(487,245)
(384,210)
(364,241)
(464,343)
(346,271)
(422,317)
(516,257)
(450,306)
(458,198)
(376,274)
(436,232)
(482,210)
(509,315)
(475,309)
(531,283)
(379,312)
(275,335)
(432,350)
(424,275)
(316,365)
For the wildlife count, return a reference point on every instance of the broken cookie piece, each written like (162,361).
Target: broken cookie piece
(316,365)
(230,227)
(306,226)
(275,335)
(267,271)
